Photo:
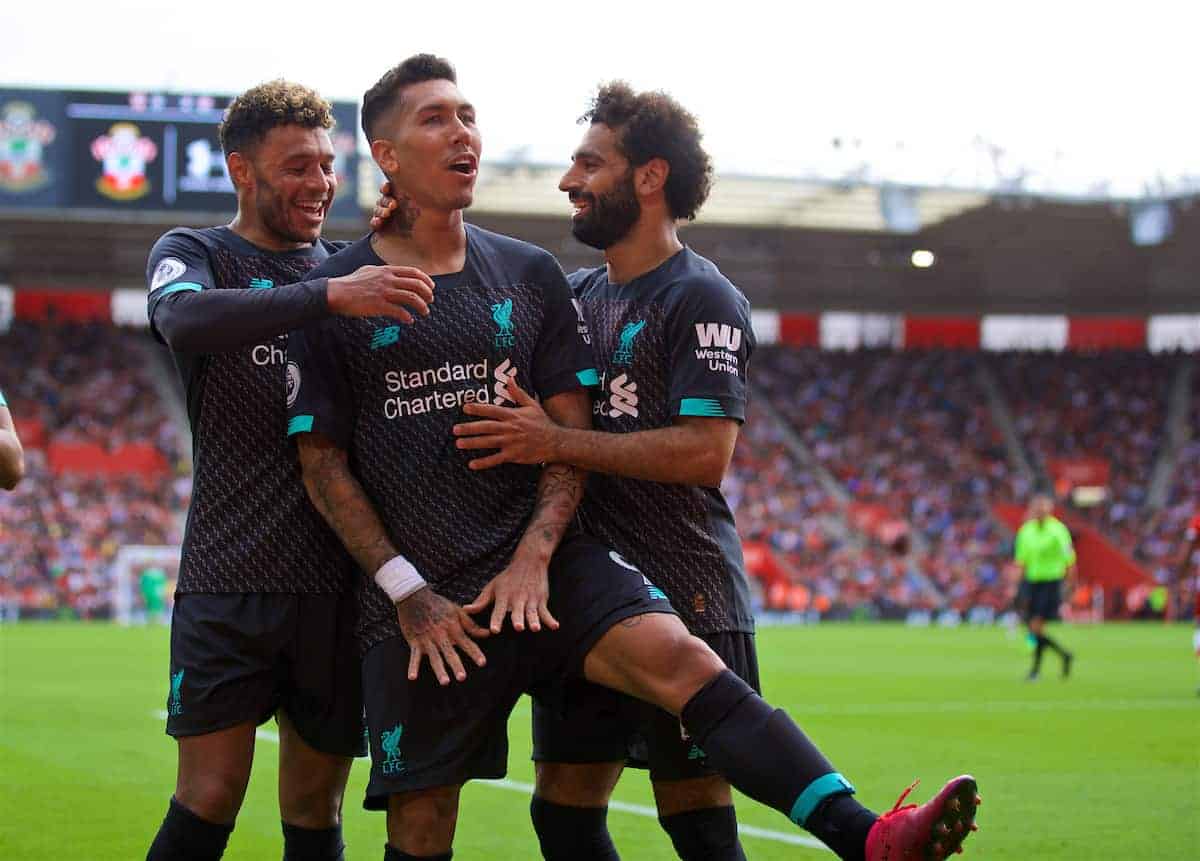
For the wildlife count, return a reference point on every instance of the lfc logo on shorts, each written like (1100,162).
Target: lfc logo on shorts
(23,139)
(124,154)
(175,701)
(389,740)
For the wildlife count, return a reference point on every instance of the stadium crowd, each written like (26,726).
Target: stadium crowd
(1161,540)
(783,506)
(1110,406)
(61,529)
(906,435)
(909,432)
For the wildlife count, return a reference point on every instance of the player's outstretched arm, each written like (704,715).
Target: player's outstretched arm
(12,456)
(433,626)
(522,590)
(692,451)
(213,321)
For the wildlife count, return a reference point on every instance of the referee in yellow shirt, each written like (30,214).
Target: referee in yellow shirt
(1047,558)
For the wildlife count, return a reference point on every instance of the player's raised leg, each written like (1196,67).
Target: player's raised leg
(762,752)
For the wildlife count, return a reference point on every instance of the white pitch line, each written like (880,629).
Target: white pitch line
(622,806)
(651,813)
(798,711)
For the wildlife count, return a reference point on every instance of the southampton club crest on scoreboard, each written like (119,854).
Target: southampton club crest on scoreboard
(23,139)
(124,154)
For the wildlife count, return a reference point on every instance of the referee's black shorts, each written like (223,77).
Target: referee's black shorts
(1042,600)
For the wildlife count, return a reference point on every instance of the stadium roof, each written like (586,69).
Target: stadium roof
(523,189)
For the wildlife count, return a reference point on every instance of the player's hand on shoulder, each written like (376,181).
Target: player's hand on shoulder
(394,211)
(436,629)
(522,592)
(521,434)
(384,206)
(382,291)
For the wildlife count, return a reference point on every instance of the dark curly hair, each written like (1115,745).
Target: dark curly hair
(654,125)
(275,103)
(386,92)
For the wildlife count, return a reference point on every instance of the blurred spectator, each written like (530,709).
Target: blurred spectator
(60,533)
(1109,405)
(910,431)
(907,433)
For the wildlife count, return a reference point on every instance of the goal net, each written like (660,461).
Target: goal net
(137,570)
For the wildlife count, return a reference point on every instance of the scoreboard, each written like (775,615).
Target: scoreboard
(133,151)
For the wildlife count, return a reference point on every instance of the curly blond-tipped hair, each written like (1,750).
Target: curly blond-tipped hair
(262,108)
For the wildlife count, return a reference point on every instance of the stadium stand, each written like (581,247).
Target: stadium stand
(104,465)
(1103,408)
(867,482)
(907,434)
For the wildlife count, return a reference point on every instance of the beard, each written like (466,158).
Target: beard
(273,213)
(609,217)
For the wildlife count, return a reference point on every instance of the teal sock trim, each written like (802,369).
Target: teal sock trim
(815,793)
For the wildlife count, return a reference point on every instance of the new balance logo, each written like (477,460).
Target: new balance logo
(624,399)
(653,591)
(719,335)
(261,283)
(385,337)
(503,374)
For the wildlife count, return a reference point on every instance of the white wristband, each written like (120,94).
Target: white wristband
(399,579)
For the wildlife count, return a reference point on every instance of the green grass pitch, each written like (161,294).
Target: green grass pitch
(1104,766)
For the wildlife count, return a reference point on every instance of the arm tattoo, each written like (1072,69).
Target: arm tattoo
(560,490)
(422,612)
(403,219)
(344,504)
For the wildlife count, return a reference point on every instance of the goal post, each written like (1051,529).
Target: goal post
(130,562)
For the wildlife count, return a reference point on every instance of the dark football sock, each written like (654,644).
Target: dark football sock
(704,835)
(184,836)
(1053,644)
(1037,655)
(572,833)
(759,749)
(312,844)
(842,824)
(390,853)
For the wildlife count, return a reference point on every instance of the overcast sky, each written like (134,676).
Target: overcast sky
(1078,92)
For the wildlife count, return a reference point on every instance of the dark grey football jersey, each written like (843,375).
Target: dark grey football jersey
(389,395)
(673,342)
(250,527)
